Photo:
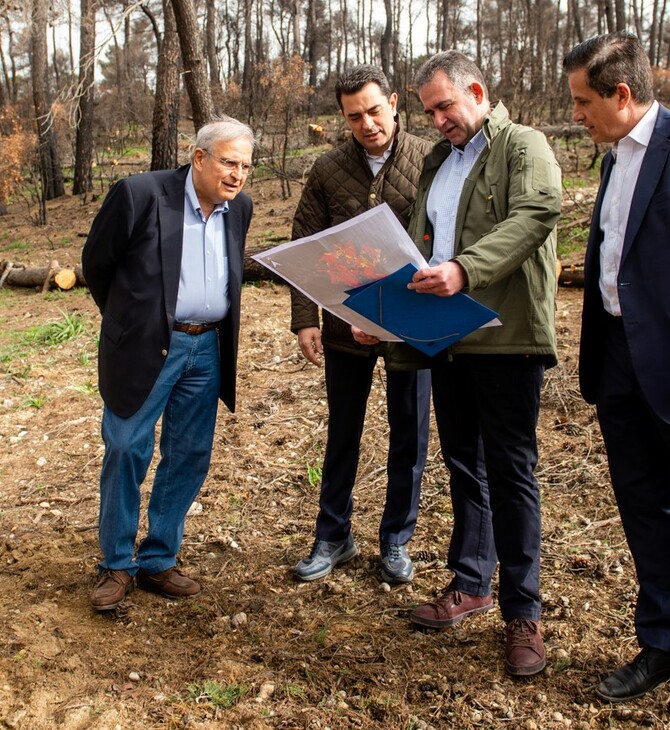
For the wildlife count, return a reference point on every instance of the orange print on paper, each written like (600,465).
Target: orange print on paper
(345,265)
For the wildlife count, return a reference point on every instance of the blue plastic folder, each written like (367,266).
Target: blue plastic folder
(425,321)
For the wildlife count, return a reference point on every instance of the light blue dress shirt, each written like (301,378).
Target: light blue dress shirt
(203,282)
(445,194)
(376,162)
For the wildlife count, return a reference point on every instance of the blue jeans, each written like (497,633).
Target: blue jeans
(186,395)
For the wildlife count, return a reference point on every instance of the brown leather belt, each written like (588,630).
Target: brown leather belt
(195,329)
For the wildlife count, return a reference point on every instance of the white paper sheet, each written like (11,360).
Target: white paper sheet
(361,250)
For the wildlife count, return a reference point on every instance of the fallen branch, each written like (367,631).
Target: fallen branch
(577,222)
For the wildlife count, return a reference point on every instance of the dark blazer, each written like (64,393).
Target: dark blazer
(643,282)
(132,262)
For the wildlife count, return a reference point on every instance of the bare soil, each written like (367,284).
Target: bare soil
(255,649)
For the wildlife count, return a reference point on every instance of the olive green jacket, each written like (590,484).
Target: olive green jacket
(505,240)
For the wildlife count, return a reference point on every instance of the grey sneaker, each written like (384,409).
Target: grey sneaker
(396,564)
(324,557)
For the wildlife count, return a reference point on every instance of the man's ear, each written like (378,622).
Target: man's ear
(198,157)
(477,90)
(623,94)
(393,101)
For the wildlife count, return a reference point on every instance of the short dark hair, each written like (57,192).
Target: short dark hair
(357,77)
(613,59)
(460,70)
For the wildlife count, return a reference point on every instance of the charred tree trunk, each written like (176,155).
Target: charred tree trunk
(195,64)
(51,175)
(166,104)
(83,176)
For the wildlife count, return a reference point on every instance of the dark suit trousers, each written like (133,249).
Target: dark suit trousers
(348,383)
(486,408)
(638,451)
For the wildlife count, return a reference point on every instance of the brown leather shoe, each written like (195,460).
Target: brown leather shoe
(524,648)
(111,589)
(453,606)
(171,583)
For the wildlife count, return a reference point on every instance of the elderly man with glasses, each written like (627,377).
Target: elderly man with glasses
(163,261)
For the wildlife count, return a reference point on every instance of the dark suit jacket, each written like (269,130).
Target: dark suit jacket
(132,263)
(643,282)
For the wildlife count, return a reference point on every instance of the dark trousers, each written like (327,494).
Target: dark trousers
(348,383)
(638,451)
(486,408)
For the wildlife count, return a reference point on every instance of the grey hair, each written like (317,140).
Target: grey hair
(459,69)
(223,129)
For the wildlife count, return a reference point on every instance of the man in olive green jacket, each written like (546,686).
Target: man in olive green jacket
(487,205)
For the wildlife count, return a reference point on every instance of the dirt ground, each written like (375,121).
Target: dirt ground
(255,649)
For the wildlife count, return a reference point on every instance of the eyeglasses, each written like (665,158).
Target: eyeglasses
(244,167)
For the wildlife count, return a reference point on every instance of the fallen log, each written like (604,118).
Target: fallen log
(253,271)
(571,275)
(42,278)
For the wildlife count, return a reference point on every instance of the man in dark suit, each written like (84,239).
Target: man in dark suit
(163,261)
(625,346)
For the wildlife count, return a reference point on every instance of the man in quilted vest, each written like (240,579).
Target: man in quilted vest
(379,163)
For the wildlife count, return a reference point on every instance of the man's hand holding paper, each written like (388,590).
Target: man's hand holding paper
(443,280)
(361,271)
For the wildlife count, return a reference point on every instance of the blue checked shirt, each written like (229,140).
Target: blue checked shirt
(445,194)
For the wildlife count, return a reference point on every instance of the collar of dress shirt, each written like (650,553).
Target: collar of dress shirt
(476,144)
(642,131)
(380,159)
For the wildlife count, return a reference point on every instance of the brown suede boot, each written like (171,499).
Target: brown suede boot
(111,589)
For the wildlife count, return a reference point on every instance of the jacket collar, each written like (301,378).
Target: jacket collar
(495,121)
(651,171)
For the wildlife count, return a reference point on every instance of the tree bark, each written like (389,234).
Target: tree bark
(212,57)
(193,59)
(83,174)
(51,175)
(166,102)
(620,14)
(387,35)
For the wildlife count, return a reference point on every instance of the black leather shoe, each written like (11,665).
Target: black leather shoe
(650,668)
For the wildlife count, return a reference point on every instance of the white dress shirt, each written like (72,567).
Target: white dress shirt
(628,155)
